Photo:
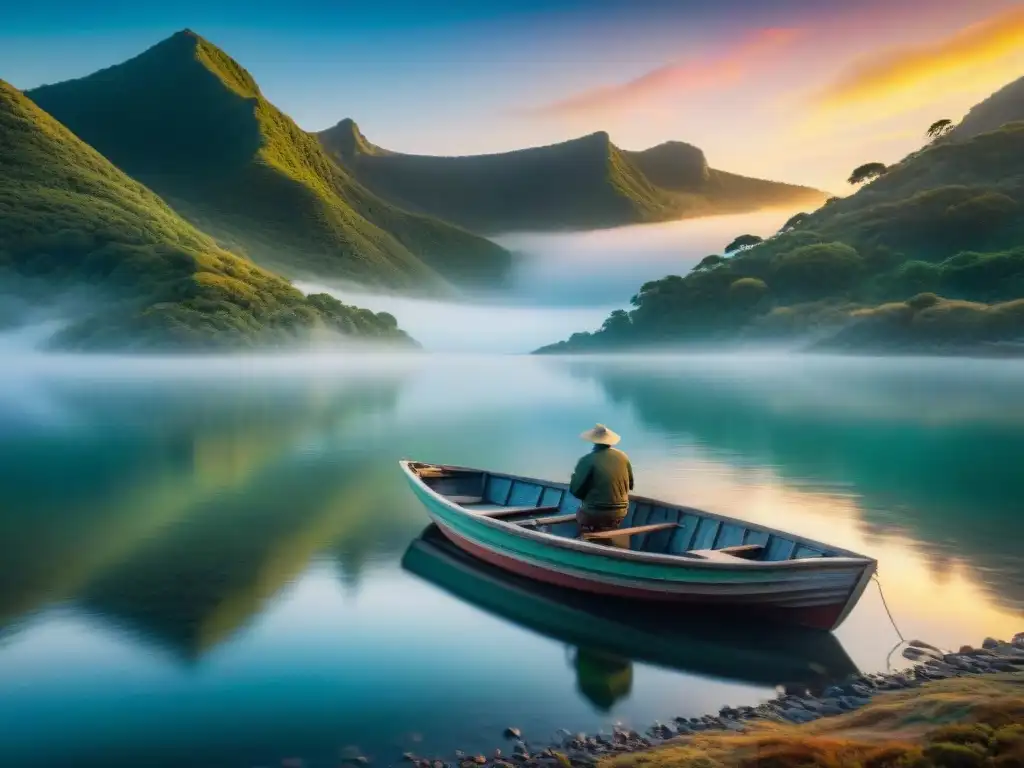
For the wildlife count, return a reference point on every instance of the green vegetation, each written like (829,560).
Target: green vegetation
(189,122)
(974,723)
(1004,106)
(743,241)
(939,128)
(948,221)
(71,224)
(867,172)
(579,184)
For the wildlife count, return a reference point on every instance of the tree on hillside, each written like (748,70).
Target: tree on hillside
(795,221)
(940,128)
(867,172)
(743,241)
(618,324)
(709,262)
(831,200)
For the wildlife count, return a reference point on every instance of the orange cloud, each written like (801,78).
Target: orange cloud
(677,78)
(932,67)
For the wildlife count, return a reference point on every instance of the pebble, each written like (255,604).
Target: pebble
(793,705)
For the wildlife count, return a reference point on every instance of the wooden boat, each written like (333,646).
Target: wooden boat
(662,552)
(619,631)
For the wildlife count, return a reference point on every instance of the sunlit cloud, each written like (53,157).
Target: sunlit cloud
(980,56)
(678,78)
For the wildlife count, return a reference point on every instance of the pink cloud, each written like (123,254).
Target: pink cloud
(674,79)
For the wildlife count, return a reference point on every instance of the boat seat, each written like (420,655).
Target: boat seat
(718,555)
(538,521)
(746,551)
(617,532)
(503,512)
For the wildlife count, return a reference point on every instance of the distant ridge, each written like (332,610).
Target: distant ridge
(583,183)
(187,120)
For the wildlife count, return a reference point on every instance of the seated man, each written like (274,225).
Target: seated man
(602,480)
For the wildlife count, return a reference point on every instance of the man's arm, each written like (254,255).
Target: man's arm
(629,468)
(580,482)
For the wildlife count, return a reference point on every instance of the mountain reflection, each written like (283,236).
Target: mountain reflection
(937,456)
(178,512)
(607,635)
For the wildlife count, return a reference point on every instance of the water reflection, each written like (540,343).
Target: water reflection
(206,576)
(927,447)
(178,510)
(199,561)
(607,635)
(603,678)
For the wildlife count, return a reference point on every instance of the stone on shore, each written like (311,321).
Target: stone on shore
(794,705)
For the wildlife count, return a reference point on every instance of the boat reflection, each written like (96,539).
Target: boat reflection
(607,635)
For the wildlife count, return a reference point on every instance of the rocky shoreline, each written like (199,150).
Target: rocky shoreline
(582,750)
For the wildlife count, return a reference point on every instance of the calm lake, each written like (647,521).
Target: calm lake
(217,563)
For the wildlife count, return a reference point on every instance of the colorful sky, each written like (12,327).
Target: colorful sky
(798,90)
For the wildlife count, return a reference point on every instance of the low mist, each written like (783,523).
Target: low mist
(607,267)
(562,283)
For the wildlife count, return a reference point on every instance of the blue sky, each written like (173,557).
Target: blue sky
(736,77)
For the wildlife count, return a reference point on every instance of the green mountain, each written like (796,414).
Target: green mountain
(72,224)
(927,257)
(1004,106)
(189,122)
(580,184)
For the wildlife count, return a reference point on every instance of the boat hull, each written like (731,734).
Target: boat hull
(817,594)
(628,629)
(822,617)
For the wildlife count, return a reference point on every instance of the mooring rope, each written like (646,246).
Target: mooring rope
(885,605)
(881,594)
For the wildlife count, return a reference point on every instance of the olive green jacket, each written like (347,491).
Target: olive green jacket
(603,479)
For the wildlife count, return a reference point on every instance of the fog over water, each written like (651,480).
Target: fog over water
(563,282)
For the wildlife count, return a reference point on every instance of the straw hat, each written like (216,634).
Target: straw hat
(601,435)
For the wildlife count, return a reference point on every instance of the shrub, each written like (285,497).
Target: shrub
(923,301)
(949,755)
(914,277)
(817,271)
(747,291)
(978,216)
(984,275)
(963,733)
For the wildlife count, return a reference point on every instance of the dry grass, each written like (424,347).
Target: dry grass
(960,723)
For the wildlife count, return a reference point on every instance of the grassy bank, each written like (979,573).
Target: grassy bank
(955,723)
